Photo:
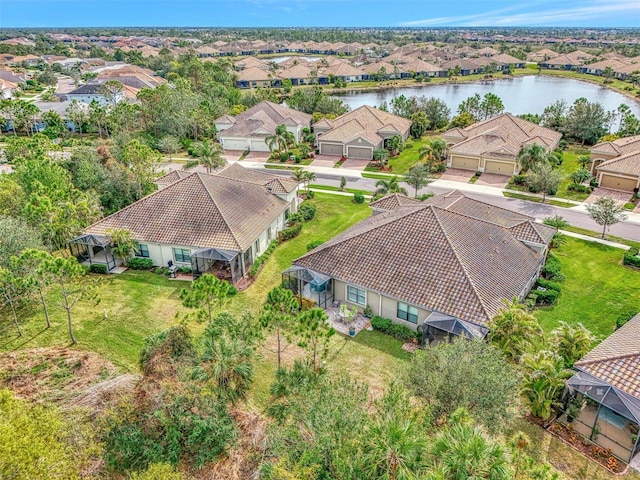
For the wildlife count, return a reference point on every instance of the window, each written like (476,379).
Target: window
(256,247)
(182,255)
(407,312)
(356,295)
(142,250)
(269,234)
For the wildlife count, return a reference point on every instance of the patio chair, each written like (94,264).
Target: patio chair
(336,304)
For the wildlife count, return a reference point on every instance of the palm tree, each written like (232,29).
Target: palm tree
(208,154)
(308,178)
(531,156)
(299,175)
(385,187)
(395,144)
(426,154)
(571,342)
(513,329)
(543,381)
(439,149)
(281,138)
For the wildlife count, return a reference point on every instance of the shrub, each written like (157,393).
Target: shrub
(314,244)
(307,211)
(358,198)
(381,324)
(547,297)
(439,167)
(98,268)
(185,269)
(260,260)
(425,196)
(399,332)
(624,317)
(289,233)
(310,194)
(548,284)
(140,263)
(162,271)
(630,258)
(284,156)
(297,159)
(295,218)
(551,269)
(519,180)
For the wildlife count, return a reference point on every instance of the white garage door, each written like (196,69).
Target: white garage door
(360,152)
(330,149)
(617,183)
(464,163)
(229,144)
(259,146)
(501,168)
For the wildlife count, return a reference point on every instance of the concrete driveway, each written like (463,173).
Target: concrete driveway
(493,180)
(457,175)
(232,155)
(355,164)
(257,156)
(324,161)
(622,197)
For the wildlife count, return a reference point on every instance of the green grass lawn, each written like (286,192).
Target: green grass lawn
(409,156)
(333,188)
(597,287)
(532,198)
(569,165)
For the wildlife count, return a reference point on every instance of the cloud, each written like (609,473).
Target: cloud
(525,16)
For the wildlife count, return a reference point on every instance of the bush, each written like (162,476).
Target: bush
(547,297)
(98,268)
(140,263)
(358,198)
(519,180)
(425,196)
(381,324)
(253,271)
(284,156)
(185,269)
(548,284)
(399,332)
(551,269)
(310,194)
(631,258)
(439,167)
(314,244)
(162,271)
(289,233)
(307,211)
(295,218)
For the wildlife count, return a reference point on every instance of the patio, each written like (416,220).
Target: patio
(338,322)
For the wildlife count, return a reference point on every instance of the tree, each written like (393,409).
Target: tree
(438,149)
(67,275)
(142,161)
(584,161)
(343,183)
(30,267)
(207,294)
(482,108)
(571,342)
(113,91)
(587,122)
(419,124)
(436,110)
(299,175)
(544,179)
(55,127)
(580,176)
(386,187)
(532,156)
(554,116)
(418,177)
(122,244)
(607,73)
(279,313)
(11,291)
(556,221)
(169,145)
(513,330)
(77,113)
(16,236)
(309,177)
(466,373)
(543,381)
(395,144)
(97,118)
(209,155)
(314,335)
(606,212)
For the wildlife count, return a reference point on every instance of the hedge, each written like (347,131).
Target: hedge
(98,268)
(631,258)
(548,284)
(314,244)
(551,269)
(307,211)
(263,258)
(140,263)
(546,297)
(289,233)
(399,332)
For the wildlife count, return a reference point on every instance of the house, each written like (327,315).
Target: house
(344,71)
(392,202)
(254,77)
(358,133)
(248,130)
(299,74)
(89,92)
(210,223)
(493,145)
(442,266)
(604,393)
(465,66)
(616,164)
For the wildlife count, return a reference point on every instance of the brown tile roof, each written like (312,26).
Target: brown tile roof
(253,74)
(394,201)
(263,117)
(273,183)
(453,254)
(616,360)
(342,69)
(201,210)
(626,164)
(172,177)
(620,146)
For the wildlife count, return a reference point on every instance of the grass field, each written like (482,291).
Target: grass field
(596,290)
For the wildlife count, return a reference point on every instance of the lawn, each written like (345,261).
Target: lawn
(597,288)
(569,165)
(409,156)
(333,188)
(534,198)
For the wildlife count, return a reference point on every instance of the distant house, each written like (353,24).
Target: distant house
(93,91)
(253,77)
(425,265)
(605,392)
(493,145)
(248,130)
(616,164)
(358,133)
(210,223)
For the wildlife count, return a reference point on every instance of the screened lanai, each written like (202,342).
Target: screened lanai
(438,328)
(93,249)
(607,416)
(309,284)
(224,264)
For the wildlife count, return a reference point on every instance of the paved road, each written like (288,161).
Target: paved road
(576,216)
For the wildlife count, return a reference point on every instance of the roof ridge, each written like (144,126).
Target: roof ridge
(455,253)
(607,359)
(226,222)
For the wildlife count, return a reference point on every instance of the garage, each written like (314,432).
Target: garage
(618,183)
(360,152)
(500,168)
(231,144)
(330,149)
(464,163)
(259,146)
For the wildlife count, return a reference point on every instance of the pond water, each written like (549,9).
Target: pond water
(282,59)
(530,94)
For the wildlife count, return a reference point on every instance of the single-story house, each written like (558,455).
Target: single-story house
(493,145)
(210,223)
(93,91)
(248,130)
(604,393)
(344,71)
(616,164)
(253,77)
(358,133)
(443,266)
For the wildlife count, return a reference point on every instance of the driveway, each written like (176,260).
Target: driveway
(232,155)
(355,164)
(457,175)
(622,197)
(324,161)
(257,157)
(493,180)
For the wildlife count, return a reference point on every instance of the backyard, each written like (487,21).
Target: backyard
(410,156)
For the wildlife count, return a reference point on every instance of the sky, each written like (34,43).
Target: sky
(319,13)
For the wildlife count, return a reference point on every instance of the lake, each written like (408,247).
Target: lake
(282,59)
(530,94)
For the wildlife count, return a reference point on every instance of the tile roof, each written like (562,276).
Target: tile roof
(172,177)
(262,119)
(626,164)
(393,201)
(616,360)
(451,254)
(253,74)
(273,183)
(620,146)
(201,210)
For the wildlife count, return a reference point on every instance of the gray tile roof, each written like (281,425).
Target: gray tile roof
(201,210)
(453,254)
(261,118)
(393,201)
(273,183)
